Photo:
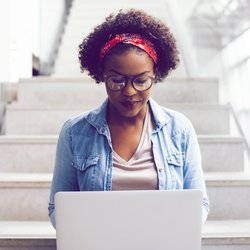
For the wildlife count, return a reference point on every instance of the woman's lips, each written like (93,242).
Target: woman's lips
(130,104)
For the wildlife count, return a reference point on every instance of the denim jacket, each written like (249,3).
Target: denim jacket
(84,154)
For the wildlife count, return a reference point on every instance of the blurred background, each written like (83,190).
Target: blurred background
(41,86)
(41,37)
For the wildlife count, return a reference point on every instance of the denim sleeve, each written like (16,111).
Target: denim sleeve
(64,177)
(193,173)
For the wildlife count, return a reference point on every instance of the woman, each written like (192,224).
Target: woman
(130,142)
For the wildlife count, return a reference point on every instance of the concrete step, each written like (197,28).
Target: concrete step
(27,235)
(112,4)
(109,4)
(95,12)
(67,70)
(98,11)
(37,235)
(222,153)
(226,235)
(22,119)
(2,115)
(84,91)
(84,17)
(35,154)
(27,154)
(26,196)
(229,195)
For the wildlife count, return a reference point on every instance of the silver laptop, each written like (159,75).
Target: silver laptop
(129,220)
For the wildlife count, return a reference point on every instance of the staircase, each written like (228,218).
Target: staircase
(44,103)
(84,15)
(28,150)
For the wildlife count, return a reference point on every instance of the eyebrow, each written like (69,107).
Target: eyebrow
(148,71)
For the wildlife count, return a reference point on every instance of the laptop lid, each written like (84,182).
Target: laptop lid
(129,220)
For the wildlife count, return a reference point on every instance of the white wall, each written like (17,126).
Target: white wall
(5,40)
(17,38)
(27,27)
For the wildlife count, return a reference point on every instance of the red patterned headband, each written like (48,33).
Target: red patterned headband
(129,38)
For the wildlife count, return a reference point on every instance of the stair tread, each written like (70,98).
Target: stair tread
(226,179)
(184,106)
(84,77)
(44,230)
(53,137)
(26,230)
(25,177)
(28,138)
(46,177)
(227,176)
(25,180)
(227,228)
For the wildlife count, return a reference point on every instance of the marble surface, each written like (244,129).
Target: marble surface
(40,150)
(43,229)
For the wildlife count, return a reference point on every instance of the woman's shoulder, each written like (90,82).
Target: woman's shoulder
(176,115)
(79,118)
(178,119)
(83,122)
(172,118)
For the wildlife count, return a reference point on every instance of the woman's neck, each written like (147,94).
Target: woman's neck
(115,118)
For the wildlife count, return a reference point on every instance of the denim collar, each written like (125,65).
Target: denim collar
(97,118)
(161,117)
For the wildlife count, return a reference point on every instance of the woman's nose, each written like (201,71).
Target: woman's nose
(129,89)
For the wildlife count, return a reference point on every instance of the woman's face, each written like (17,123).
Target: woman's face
(128,102)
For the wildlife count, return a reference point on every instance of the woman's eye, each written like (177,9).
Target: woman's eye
(141,80)
(117,80)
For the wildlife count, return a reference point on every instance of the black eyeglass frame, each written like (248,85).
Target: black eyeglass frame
(127,78)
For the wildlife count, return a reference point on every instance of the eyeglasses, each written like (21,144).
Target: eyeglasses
(140,83)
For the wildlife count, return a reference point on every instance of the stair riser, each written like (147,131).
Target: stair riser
(228,246)
(38,156)
(39,121)
(222,156)
(27,244)
(22,204)
(28,203)
(24,158)
(50,244)
(229,202)
(90,94)
(61,94)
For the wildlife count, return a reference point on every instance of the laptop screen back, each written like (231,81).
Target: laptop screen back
(129,220)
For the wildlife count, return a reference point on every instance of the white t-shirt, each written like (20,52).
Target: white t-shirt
(139,173)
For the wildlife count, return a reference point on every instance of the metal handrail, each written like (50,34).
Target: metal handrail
(46,68)
(239,127)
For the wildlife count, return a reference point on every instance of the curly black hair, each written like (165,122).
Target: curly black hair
(130,21)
